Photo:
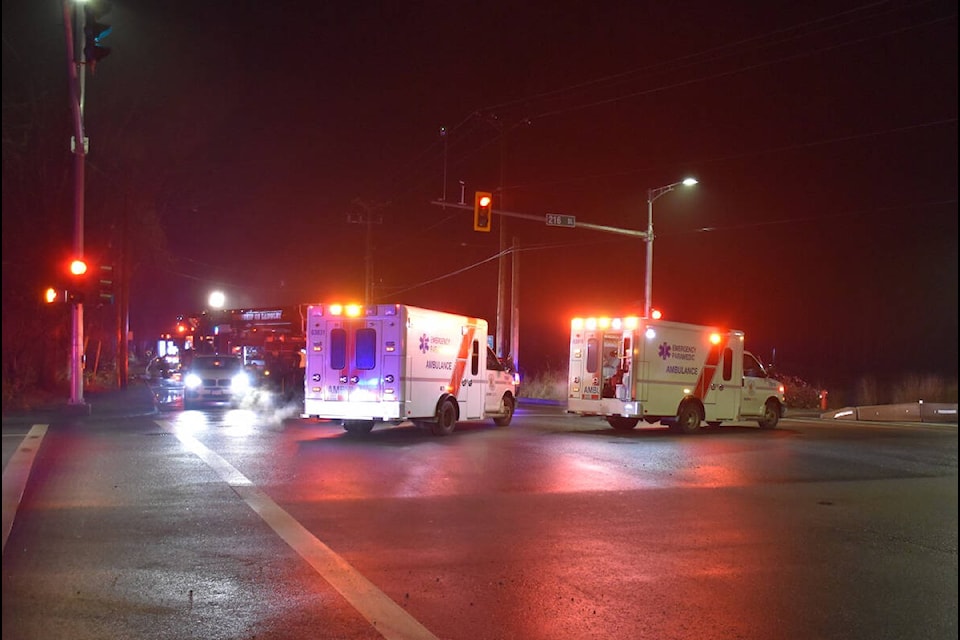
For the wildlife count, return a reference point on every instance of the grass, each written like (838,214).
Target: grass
(550,384)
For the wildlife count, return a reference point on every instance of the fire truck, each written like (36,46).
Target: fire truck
(270,340)
(393,363)
(680,375)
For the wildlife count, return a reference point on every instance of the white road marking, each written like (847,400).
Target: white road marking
(386,616)
(16,473)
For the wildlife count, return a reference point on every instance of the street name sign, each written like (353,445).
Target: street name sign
(561,220)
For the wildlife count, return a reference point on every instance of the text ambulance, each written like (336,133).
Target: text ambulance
(677,374)
(391,363)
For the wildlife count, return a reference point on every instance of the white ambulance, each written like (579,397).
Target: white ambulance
(392,363)
(680,375)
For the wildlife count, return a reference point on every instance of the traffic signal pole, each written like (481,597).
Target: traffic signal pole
(75,76)
(514,251)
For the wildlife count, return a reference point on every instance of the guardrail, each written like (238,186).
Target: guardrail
(906,412)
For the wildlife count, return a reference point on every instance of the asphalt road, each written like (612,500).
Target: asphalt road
(137,523)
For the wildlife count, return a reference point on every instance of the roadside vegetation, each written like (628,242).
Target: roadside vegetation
(551,384)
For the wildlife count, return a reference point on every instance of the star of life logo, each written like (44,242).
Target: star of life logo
(424,343)
(664,351)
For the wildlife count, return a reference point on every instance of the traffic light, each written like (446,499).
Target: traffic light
(105,284)
(94,32)
(52,295)
(60,296)
(78,267)
(78,283)
(482,211)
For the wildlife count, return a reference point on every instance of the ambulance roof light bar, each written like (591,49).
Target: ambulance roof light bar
(604,322)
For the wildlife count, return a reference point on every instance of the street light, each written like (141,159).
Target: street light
(217,300)
(653,194)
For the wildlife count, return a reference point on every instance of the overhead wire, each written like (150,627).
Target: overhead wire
(758,43)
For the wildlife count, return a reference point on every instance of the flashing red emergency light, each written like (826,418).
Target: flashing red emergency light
(350,310)
(617,324)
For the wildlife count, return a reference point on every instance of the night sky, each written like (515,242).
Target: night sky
(247,139)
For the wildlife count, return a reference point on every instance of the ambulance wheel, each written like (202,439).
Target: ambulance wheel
(446,419)
(508,407)
(622,424)
(771,415)
(357,427)
(688,419)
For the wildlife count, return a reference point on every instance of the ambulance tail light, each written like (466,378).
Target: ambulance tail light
(715,338)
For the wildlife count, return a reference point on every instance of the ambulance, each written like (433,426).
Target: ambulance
(394,363)
(680,375)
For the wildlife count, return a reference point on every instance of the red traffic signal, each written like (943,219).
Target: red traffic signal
(482,211)
(78,267)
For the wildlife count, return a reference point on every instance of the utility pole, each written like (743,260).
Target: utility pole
(502,261)
(368,218)
(515,304)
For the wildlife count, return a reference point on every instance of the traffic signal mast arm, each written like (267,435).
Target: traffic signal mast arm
(528,216)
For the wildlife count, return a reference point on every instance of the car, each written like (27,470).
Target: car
(215,379)
(165,379)
(164,371)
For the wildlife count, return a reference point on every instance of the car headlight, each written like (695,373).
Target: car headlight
(192,381)
(240,382)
